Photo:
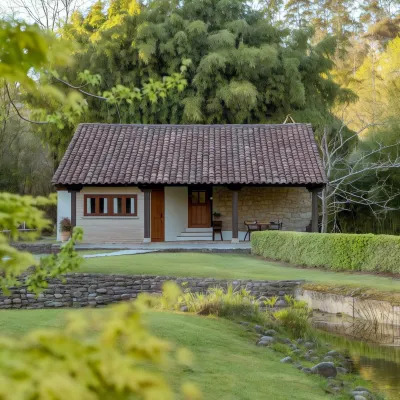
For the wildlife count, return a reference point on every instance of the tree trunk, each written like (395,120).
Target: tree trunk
(324,210)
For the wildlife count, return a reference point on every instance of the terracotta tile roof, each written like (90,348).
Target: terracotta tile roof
(189,154)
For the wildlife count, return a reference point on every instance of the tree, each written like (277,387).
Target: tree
(49,14)
(28,65)
(359,173)
(242,70)
(118,361)
(299,13)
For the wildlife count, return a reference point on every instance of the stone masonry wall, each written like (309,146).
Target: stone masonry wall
(292,206)
(97,290)
(35,248)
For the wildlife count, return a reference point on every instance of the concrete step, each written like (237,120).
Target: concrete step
(209,230)
(197,234)
(193,238)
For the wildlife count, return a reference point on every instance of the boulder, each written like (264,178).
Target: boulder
(361,389)
(287,360)
(306,370)
(358,397)
(309,345)
(362,393)
(258,328)
(270,332)
(341,370)
(265,341)
(325,369)
(284,340)
(332,353)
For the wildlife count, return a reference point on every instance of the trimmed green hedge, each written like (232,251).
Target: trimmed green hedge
(339,251)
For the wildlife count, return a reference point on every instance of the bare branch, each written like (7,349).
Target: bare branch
(18,113)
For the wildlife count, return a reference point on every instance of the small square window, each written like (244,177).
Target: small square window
(195,197)
(202,197)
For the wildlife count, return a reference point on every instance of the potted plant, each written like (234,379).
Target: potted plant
(216,215)
(65,229)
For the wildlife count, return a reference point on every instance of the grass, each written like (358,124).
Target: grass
(227,363)
(229,266)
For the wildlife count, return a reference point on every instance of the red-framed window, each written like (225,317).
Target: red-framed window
(118,205)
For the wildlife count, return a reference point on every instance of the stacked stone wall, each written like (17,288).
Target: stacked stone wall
(291,206)
(97,290)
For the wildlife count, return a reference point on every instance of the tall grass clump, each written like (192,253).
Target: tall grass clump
(295,318)
(230,303)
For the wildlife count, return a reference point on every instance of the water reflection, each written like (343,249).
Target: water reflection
(376,353)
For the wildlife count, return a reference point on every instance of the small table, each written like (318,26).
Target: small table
(262,226)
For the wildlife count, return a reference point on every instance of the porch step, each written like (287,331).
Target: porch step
(193,238)
(189,230)
(196,234)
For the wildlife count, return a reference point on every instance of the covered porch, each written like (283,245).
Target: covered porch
(178,213)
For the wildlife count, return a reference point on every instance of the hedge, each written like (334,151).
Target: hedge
(339,251)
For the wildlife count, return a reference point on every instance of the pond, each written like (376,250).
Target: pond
(373,348)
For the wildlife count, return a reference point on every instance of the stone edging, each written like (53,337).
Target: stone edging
(97,290)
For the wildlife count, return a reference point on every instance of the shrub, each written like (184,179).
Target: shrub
(96,356)
(339,251)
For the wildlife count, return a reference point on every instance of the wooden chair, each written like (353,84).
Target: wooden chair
(217,228)
(251,227)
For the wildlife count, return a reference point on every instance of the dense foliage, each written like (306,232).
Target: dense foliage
(243,69)
(108,355)
(340,252)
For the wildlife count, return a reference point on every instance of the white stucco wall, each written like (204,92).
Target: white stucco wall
(63,208)
(109,229)
(176,211)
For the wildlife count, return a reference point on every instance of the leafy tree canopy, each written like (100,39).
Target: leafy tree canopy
(242,69)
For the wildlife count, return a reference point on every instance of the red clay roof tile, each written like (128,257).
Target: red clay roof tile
(191,154)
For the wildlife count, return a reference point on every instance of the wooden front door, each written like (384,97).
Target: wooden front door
(157,215)
(199,208)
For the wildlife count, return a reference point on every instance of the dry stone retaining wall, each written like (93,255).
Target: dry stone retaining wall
(36,248)
(97,290)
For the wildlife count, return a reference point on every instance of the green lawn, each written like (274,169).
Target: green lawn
(227,363)
(228,266)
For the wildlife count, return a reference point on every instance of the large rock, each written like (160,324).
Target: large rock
(362,393)
(326,369)
(270,332)
(265,341)
(332,353)
(287,360)
(341,370)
